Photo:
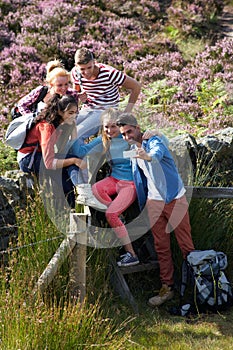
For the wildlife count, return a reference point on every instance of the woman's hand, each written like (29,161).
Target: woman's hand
(63,163)
(80,163)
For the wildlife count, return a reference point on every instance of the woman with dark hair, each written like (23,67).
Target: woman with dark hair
(53,128)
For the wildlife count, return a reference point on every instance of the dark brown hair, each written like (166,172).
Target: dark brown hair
(83,56)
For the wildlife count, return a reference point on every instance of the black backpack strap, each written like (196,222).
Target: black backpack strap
(42,94)
(184,277)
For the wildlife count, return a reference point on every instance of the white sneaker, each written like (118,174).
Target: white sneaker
(91,202)
(84,189)
(86,197)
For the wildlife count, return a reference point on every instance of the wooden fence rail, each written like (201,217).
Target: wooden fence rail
(209,192)
(77,253)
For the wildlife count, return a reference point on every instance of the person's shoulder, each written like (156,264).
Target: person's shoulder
(74,74)
(31,96)
(73,71)
(38,89)
(44,125)
(106,67)
(156,140)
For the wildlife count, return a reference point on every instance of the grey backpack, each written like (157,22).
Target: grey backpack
(17,131)
(202,273)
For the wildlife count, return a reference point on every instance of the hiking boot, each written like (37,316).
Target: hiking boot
(165,293)
(128,260)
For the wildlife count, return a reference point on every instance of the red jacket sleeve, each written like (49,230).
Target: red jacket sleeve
(45,135)
(47,139)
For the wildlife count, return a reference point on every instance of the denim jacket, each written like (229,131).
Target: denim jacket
(162,170)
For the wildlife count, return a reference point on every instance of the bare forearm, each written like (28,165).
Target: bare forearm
(135,88)
(132,100)
(63,163)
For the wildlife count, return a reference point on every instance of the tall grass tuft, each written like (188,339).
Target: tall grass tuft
(52,321)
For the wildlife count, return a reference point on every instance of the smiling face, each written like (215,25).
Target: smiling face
(69,115)
(131,134)
(111,129)
(89,70)
(60,85)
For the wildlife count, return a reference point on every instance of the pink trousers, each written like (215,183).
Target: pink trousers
(125,192)
(163,219)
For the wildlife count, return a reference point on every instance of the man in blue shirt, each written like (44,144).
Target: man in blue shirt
(166,204)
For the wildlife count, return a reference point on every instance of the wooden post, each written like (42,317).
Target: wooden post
(49,273)
(77,271)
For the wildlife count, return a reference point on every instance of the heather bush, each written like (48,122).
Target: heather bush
(193,96)
(131,35)
(194,18)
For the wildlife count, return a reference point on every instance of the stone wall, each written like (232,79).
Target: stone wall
(207,161)
(14,189)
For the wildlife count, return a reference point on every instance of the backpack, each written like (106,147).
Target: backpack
(204,285)
(17,131)
(15,113)
(20,125)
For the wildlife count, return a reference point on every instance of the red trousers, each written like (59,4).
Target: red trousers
(165,218)
(125,192)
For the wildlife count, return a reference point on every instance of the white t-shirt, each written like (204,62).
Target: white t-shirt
(153,193)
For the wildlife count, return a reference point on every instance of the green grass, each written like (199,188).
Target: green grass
(104,320)
(49,322)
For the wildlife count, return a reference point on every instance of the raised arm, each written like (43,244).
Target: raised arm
(135,87)
(81,150)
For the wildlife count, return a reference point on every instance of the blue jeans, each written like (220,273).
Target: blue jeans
(68,175)
(88,122)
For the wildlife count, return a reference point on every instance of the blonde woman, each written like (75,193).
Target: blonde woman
(117,191)
(57,82)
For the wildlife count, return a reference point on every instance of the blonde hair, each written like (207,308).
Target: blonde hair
(110,115)
(55,69)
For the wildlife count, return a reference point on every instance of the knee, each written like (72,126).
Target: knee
(111,217)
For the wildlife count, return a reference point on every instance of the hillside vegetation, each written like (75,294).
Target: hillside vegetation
(172,47)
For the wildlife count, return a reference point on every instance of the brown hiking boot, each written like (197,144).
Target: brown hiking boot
(165,293)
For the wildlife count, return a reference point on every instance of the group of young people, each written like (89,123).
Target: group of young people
(148,174)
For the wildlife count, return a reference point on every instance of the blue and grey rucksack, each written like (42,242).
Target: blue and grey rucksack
(209,288)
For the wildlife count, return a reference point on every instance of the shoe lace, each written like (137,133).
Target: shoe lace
(126,257)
